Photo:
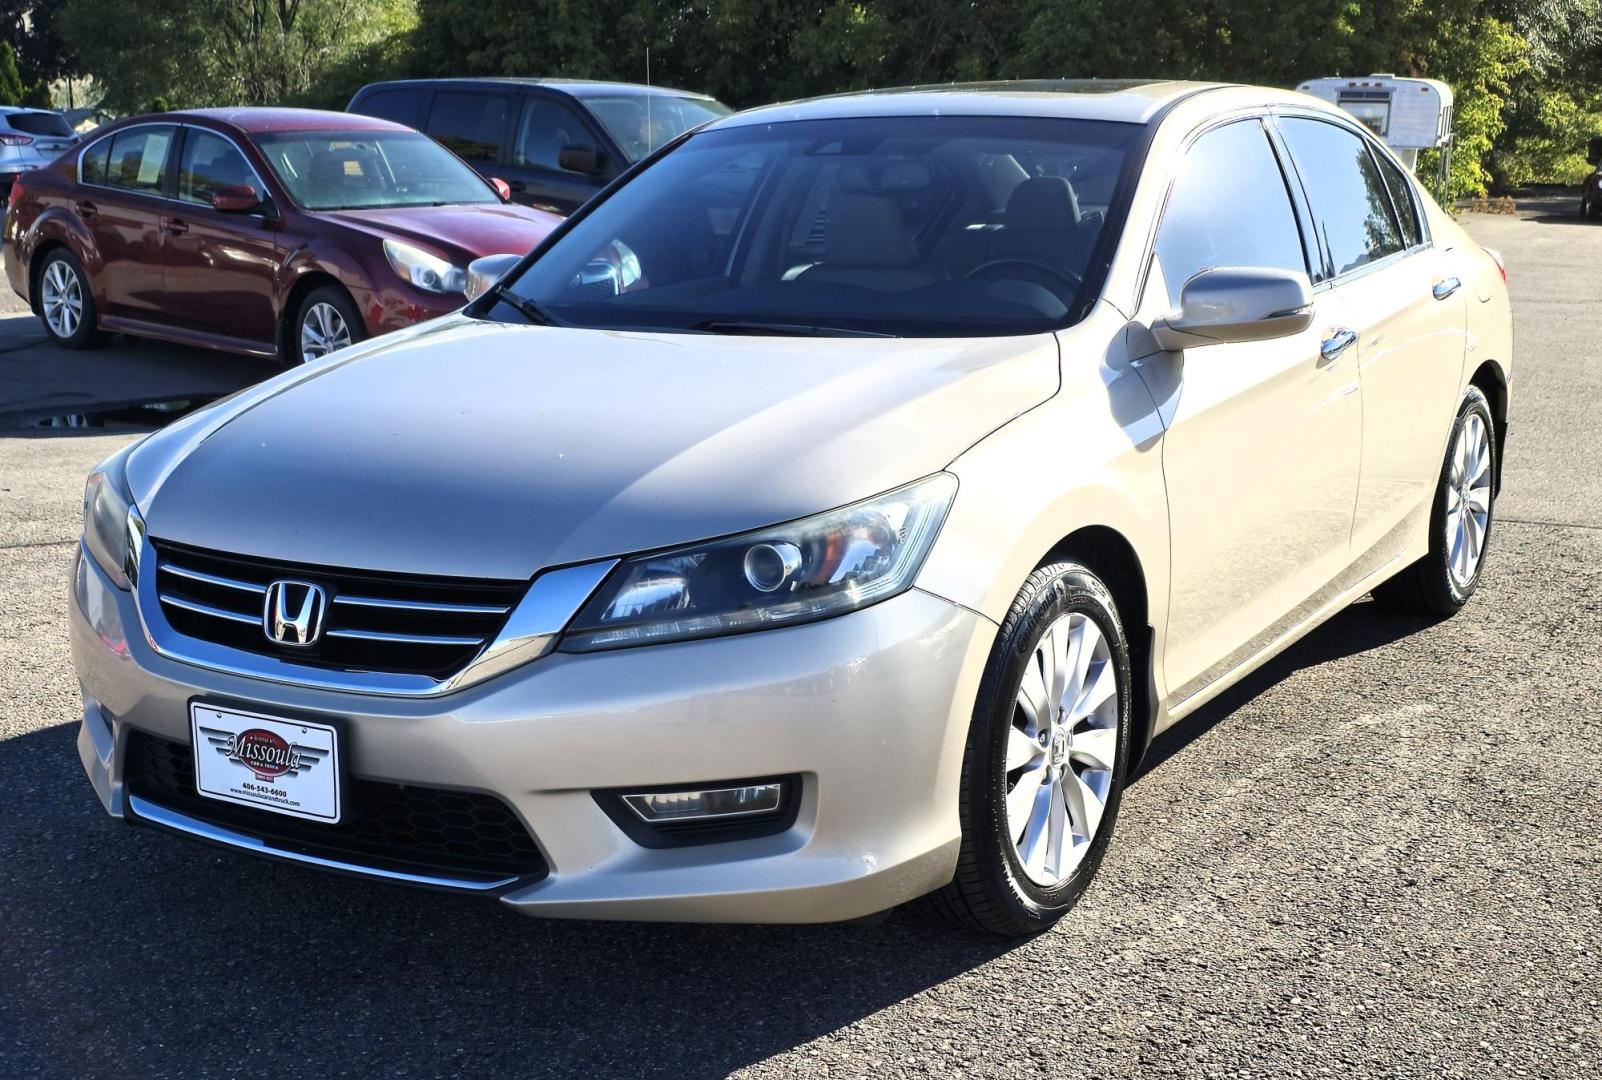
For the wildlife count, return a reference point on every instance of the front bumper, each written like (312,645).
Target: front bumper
(870,709)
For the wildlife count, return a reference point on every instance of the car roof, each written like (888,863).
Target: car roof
(579,88)
(9,110)
(263,119)
(1127,100)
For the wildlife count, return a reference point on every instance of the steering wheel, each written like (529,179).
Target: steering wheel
(1061,275)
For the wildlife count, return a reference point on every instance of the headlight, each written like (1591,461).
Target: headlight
(428,272)
(809,569)
(112,528)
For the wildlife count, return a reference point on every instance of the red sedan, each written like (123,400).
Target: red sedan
(284,232)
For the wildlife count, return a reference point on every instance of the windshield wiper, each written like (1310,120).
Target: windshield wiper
(735,326)
(522,305)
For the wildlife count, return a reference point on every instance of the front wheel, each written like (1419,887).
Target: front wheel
(1043,769)
(326,322)
(1460,520)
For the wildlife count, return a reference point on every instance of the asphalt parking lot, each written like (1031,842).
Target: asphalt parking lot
(1378,856)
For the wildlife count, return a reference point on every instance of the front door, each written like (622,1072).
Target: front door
(534,168)
(220,267)
(1261,451)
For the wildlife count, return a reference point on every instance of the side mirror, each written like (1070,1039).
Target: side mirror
(502,188)
(581,159)
(1236,304)
(482,273)
(1593,150)
(235,199)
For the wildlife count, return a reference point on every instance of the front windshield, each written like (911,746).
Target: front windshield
(639,123)
(908,226)
(357,170)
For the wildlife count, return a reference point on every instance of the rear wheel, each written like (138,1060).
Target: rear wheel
(1044,764)
(1589,208)
(326,322)
(1460,520)
(66,306)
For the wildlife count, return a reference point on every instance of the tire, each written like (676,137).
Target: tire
(1443,580)
(1590,208)
(996,889)
(65,303)
(334,320)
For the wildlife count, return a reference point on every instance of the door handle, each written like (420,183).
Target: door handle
(84,208)
(1446,287)
(177,226)
(1337,343)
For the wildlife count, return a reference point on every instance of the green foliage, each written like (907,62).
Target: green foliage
(221,52)
(37,96)
(1526,72)
(43,53)
(10,81)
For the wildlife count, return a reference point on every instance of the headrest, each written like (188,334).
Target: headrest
(1043,202)
(867,230)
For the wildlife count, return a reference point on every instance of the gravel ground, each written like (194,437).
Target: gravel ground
(1377,856)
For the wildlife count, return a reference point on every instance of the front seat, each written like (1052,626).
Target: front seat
(1042,224)
(866,241)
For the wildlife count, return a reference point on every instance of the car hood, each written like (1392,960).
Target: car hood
(477,449)
(474,231)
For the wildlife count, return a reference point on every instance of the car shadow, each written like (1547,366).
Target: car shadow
(1360,628)
(117,937)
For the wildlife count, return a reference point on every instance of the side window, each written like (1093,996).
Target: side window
(209,162)
(138,159)
(409,107)
(546,127)
(1402,199)
(470,124)
(92,165)
(1350,205)
(1229,207)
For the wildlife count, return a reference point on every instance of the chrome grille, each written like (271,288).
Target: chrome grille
(398,623)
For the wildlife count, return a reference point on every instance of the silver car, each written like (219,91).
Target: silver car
(827,516)
(30,138)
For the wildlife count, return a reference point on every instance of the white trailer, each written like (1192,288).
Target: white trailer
(1409,115)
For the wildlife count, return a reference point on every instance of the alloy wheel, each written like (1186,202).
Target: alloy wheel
(1062,749)
(62,299)
(322,330)
(1468,500)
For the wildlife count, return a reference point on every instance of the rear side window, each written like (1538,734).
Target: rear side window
(470,124)
(210,162)
(139,158)
(1351,207)
(40,123)
(92,166)
(547,126)
(1402,199)
(1229,207)
(409,107)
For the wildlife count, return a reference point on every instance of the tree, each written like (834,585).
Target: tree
(224,52)
(10,81)
(42,51)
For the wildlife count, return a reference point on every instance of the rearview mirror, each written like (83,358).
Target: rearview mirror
(1235,304)
(1593,150)
(482,273)
(580,159)
(502,188)
(235,198)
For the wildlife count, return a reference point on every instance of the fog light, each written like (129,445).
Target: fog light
(662,807)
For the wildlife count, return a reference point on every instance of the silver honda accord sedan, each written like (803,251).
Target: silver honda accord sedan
(825,517)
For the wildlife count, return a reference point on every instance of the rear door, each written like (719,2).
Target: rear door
(1406,304)
(474,125)
(220,267)
(1261,453)
(121,197)
(545,125)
